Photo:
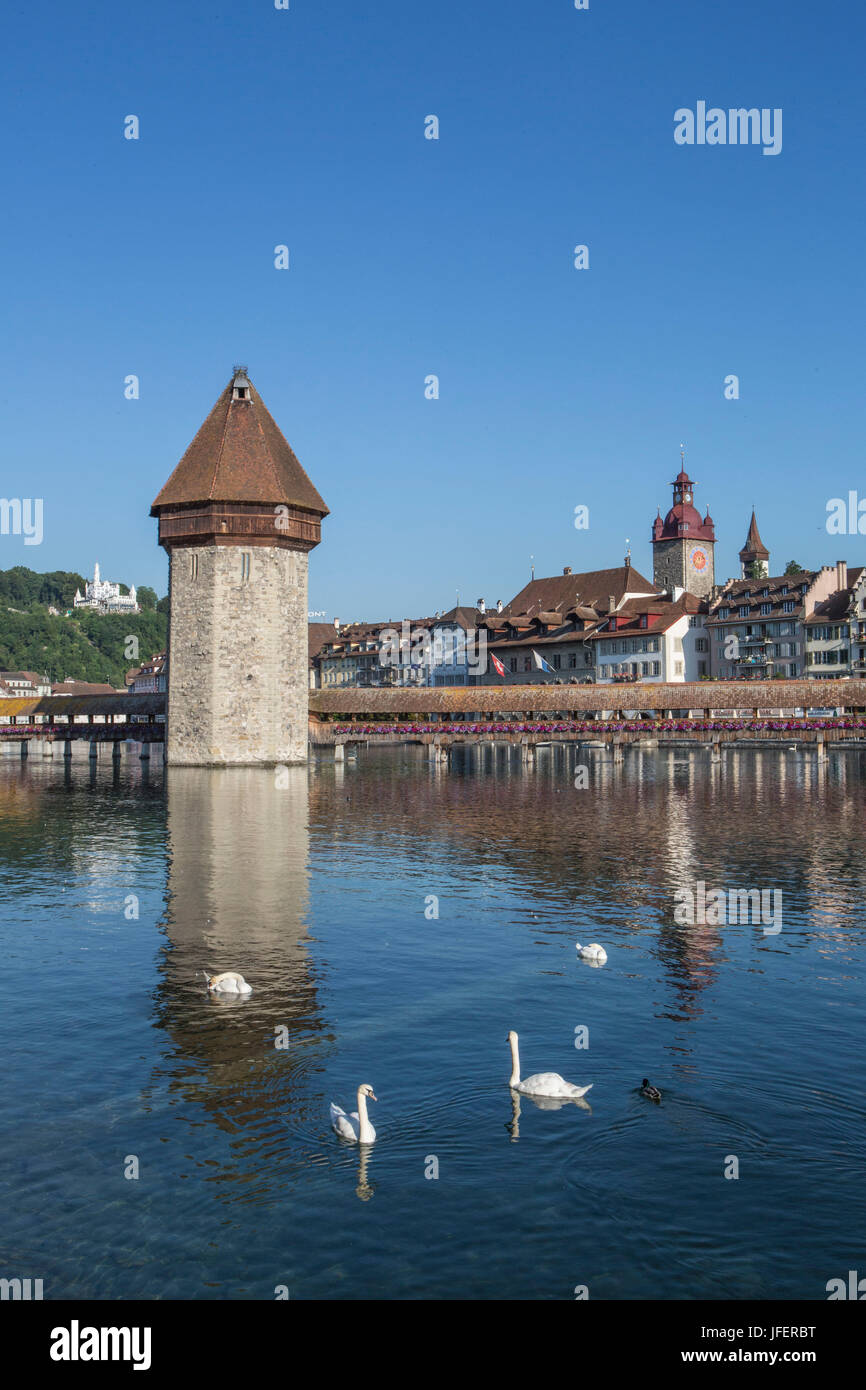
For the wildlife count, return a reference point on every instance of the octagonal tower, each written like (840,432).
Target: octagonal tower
(238,517)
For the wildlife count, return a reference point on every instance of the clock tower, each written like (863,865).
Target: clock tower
(684,544)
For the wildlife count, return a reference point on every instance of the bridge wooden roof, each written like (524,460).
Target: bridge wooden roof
(789,694)
(82,704)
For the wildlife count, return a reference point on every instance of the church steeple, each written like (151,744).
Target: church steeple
(754,552)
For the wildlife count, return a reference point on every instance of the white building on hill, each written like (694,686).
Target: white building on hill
(106,597)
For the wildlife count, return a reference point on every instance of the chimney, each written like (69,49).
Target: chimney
(336,624)
(567,569)
(841,574)
(481,606)
(611,603)
(499,605)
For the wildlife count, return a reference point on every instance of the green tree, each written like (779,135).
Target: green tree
(793,567)
(20,585)
(89,646)
(146,597)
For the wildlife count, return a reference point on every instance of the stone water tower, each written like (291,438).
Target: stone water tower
(238,517)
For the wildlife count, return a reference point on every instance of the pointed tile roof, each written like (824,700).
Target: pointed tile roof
(239,455)
(754,545)
(562,591)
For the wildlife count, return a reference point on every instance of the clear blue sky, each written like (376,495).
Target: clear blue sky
(411,257)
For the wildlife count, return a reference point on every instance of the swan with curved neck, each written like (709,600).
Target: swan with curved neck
(356,1127)
(229,982)
(543,1083)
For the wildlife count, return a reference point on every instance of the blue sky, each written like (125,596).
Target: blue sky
(411,257)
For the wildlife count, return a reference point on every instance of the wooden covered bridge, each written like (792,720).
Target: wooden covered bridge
(808,711)
(96,719)
(712,712)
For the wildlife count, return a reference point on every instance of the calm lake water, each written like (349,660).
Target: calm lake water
(317,891)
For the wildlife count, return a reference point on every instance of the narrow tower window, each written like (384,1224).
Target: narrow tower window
(193,566)
(245,566)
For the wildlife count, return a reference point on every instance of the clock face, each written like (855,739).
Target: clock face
(698,558)
(688,496)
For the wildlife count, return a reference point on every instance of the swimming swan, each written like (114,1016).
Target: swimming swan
(544,1083)
(230,982)
(356,1128)
(593,952)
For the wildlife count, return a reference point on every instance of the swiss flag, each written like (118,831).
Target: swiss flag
(497,665)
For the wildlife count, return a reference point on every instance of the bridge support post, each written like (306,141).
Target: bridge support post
(715,751)
(144,755)
(67,748)
(115,751)
(617,748)
(94,749)
(24,747)
(339,753)
(821,748)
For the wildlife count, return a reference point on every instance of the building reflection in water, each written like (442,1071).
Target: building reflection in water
(642,830)
(238,899)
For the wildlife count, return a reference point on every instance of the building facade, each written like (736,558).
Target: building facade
(552,624)
(24,683)
(835,631)
(350,657)
(756,626)
(151,678)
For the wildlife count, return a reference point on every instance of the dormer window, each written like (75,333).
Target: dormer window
(240,384)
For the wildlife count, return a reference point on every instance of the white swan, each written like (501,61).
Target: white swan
(593,952)
(544,1083)
(230,982)
(356,1128)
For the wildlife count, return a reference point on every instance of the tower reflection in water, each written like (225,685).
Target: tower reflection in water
(238,899)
